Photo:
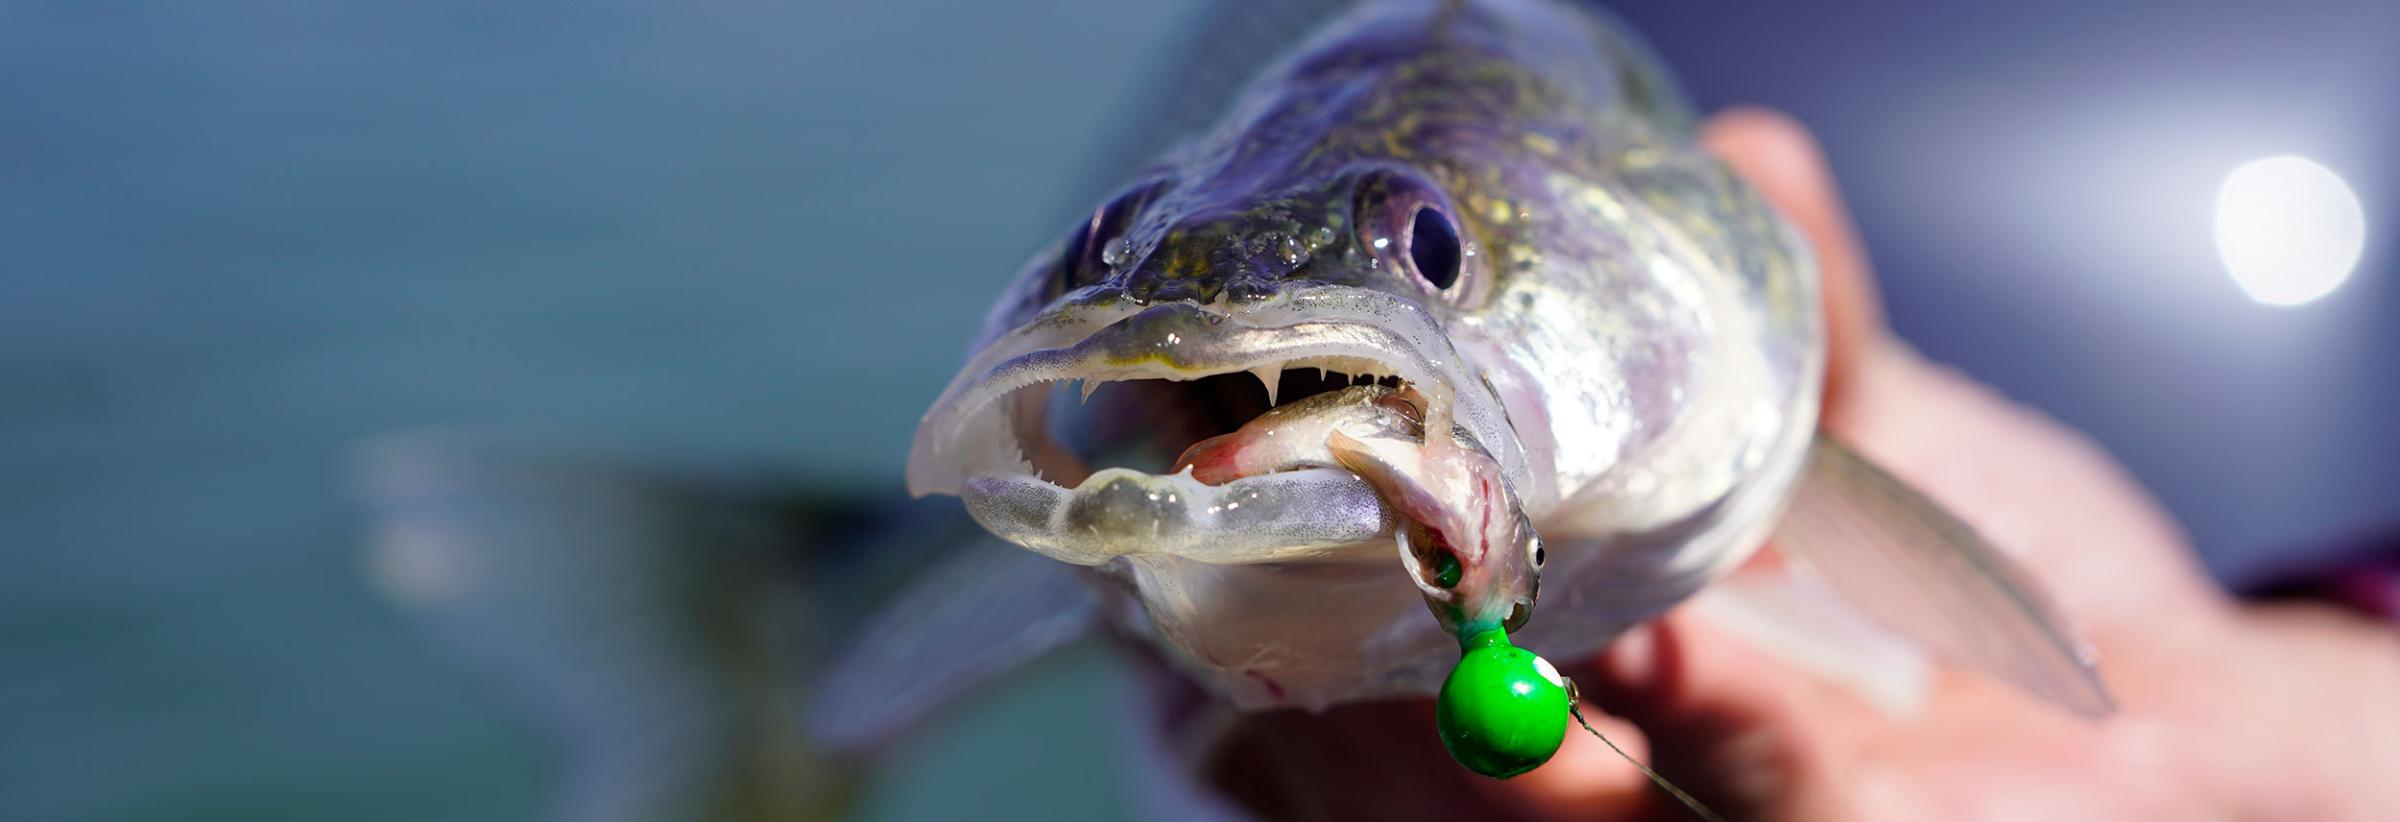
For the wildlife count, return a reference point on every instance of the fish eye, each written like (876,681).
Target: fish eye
(1539,554)
(1408,225)
(1433,247)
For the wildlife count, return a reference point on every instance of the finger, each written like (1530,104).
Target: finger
(1777,157)
(2034,488)
(1739,729)
(1736,729)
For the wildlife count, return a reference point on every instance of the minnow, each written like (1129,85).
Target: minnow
(1465,542)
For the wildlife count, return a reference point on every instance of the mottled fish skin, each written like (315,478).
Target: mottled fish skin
(1634,334)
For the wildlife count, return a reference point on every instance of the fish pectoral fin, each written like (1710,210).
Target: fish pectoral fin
(985,611)
(1921,572)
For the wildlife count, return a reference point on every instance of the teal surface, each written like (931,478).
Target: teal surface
(243,236)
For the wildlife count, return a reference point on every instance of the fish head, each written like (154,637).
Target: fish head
(1470,203)
(1187,306)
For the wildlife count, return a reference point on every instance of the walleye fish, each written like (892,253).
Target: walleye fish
(1447,277)
(1498,207)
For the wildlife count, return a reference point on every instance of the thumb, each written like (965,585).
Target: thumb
(1737,729)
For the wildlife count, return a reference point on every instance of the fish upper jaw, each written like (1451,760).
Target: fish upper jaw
(983,439)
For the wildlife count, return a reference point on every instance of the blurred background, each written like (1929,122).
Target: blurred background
(241,237)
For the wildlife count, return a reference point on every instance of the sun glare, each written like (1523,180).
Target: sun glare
(2289,230)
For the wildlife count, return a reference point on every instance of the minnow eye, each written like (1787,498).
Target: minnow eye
(1433,247)
(1539,555)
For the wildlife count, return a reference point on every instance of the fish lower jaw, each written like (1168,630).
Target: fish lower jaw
(1118,512)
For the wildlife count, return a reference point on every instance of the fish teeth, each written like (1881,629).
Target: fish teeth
(1272,376)
(1089,386)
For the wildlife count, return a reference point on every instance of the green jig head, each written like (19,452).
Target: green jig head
(1503,710)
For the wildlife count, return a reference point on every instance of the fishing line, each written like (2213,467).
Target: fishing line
(1575,709)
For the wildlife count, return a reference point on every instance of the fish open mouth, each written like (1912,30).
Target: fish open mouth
(1176,374)
(1144,424)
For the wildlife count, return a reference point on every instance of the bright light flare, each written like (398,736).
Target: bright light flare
(2290,231)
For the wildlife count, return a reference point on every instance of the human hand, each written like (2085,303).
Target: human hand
(2227,710)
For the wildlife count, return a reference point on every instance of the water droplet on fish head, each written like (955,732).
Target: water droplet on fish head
(1118,253)
(1289,250)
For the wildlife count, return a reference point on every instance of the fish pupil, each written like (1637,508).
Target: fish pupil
(1433,247)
